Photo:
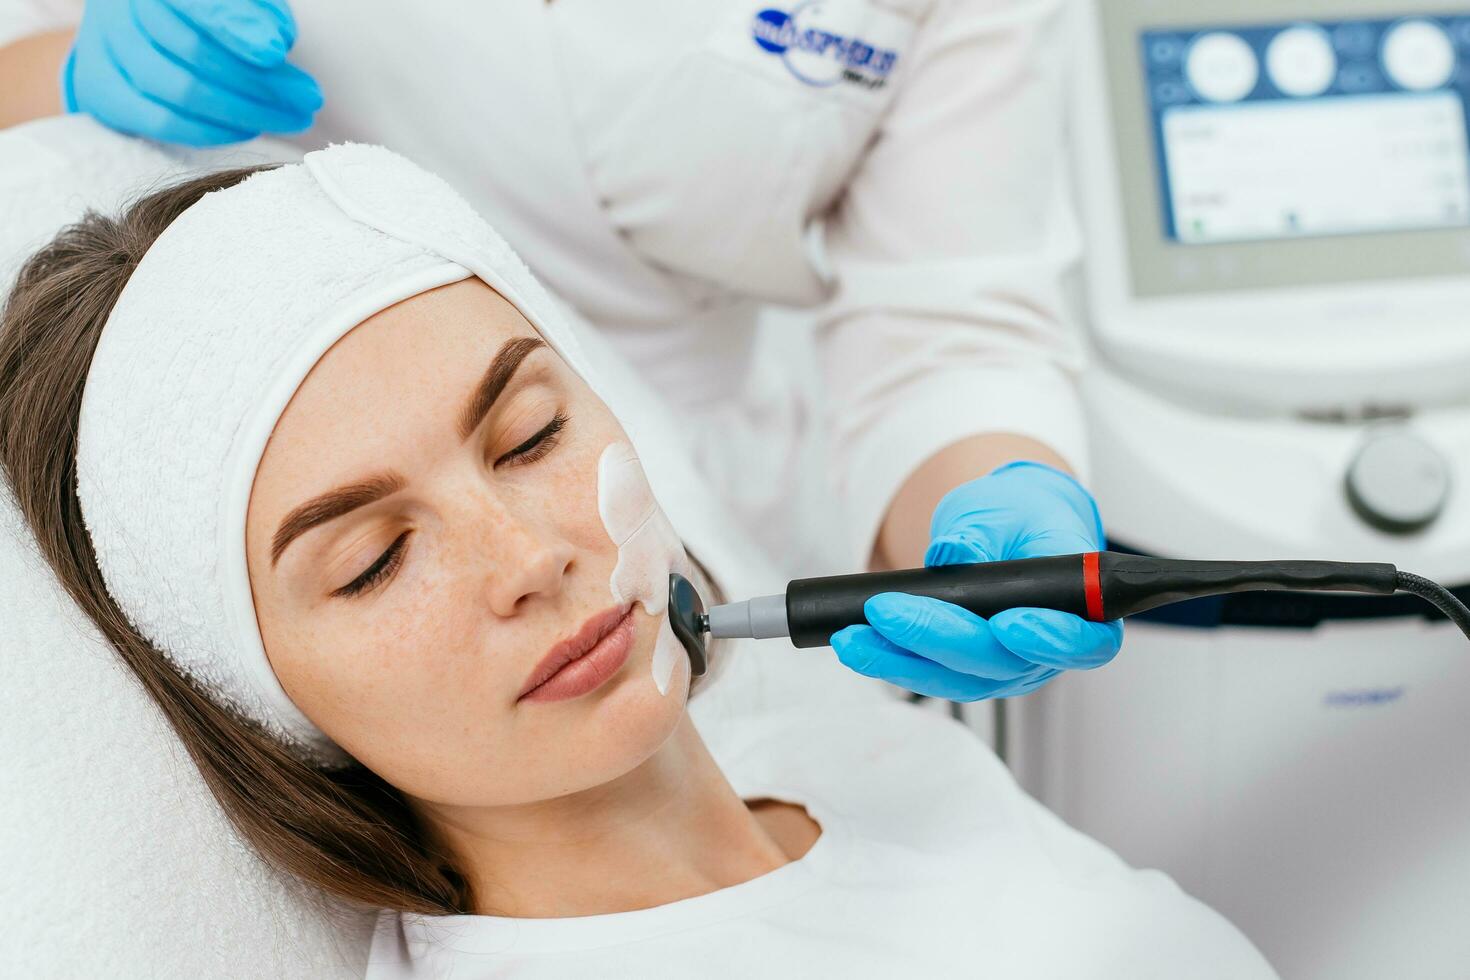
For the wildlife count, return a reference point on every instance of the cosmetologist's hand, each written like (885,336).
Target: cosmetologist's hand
(196,72)
(1021,510)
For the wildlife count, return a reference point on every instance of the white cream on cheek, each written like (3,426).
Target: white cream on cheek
(648,549)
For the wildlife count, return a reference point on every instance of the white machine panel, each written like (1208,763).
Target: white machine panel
(1276,201)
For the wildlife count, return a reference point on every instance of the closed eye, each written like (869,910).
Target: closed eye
(538,445)
(386,565)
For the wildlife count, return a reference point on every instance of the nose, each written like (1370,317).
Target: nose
(527,561)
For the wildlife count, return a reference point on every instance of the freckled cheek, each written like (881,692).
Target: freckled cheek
(587,533)
(439,636)
(564,509)
(413,613)
(576,509)
(437,615)
(400,664)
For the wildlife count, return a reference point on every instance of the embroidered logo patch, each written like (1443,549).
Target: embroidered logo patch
(817,55)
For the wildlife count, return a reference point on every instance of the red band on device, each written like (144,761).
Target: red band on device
(1092,586)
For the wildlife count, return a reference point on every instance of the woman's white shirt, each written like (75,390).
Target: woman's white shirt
(931,863)
(665,171)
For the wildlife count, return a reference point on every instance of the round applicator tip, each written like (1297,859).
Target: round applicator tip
(686,616)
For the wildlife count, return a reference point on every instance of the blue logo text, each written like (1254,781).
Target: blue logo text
(817,56)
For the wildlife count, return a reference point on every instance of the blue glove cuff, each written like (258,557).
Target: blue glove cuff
(1091,503)
(1013,464)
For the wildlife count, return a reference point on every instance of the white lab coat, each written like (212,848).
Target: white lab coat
(665,173)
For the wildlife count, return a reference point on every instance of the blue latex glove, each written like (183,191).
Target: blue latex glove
(197,72)
(1020,510)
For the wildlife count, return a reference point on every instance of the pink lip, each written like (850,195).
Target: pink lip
(583,661)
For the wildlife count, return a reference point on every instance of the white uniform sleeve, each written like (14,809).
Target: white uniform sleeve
(22,18)
(947,250)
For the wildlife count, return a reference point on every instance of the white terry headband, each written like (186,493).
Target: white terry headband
(216,328)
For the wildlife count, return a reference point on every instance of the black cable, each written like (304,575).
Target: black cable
(1440,597)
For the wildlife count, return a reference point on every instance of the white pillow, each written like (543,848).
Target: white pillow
(117,860)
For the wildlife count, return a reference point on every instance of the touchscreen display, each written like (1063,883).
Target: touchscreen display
(1309,129)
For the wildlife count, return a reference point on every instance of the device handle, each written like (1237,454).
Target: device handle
(818,607)
(1096,586)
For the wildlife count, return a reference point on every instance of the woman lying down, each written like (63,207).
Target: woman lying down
(320,459)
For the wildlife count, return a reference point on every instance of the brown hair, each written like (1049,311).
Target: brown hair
(346,831)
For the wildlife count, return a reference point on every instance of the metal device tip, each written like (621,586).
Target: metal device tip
(688,620)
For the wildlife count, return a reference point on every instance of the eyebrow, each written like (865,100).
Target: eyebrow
(507,360)
(335,503)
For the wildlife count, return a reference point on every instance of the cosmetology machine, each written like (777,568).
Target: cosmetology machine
(1276,199)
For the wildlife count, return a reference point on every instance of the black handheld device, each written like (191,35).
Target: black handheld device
(1098,585)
